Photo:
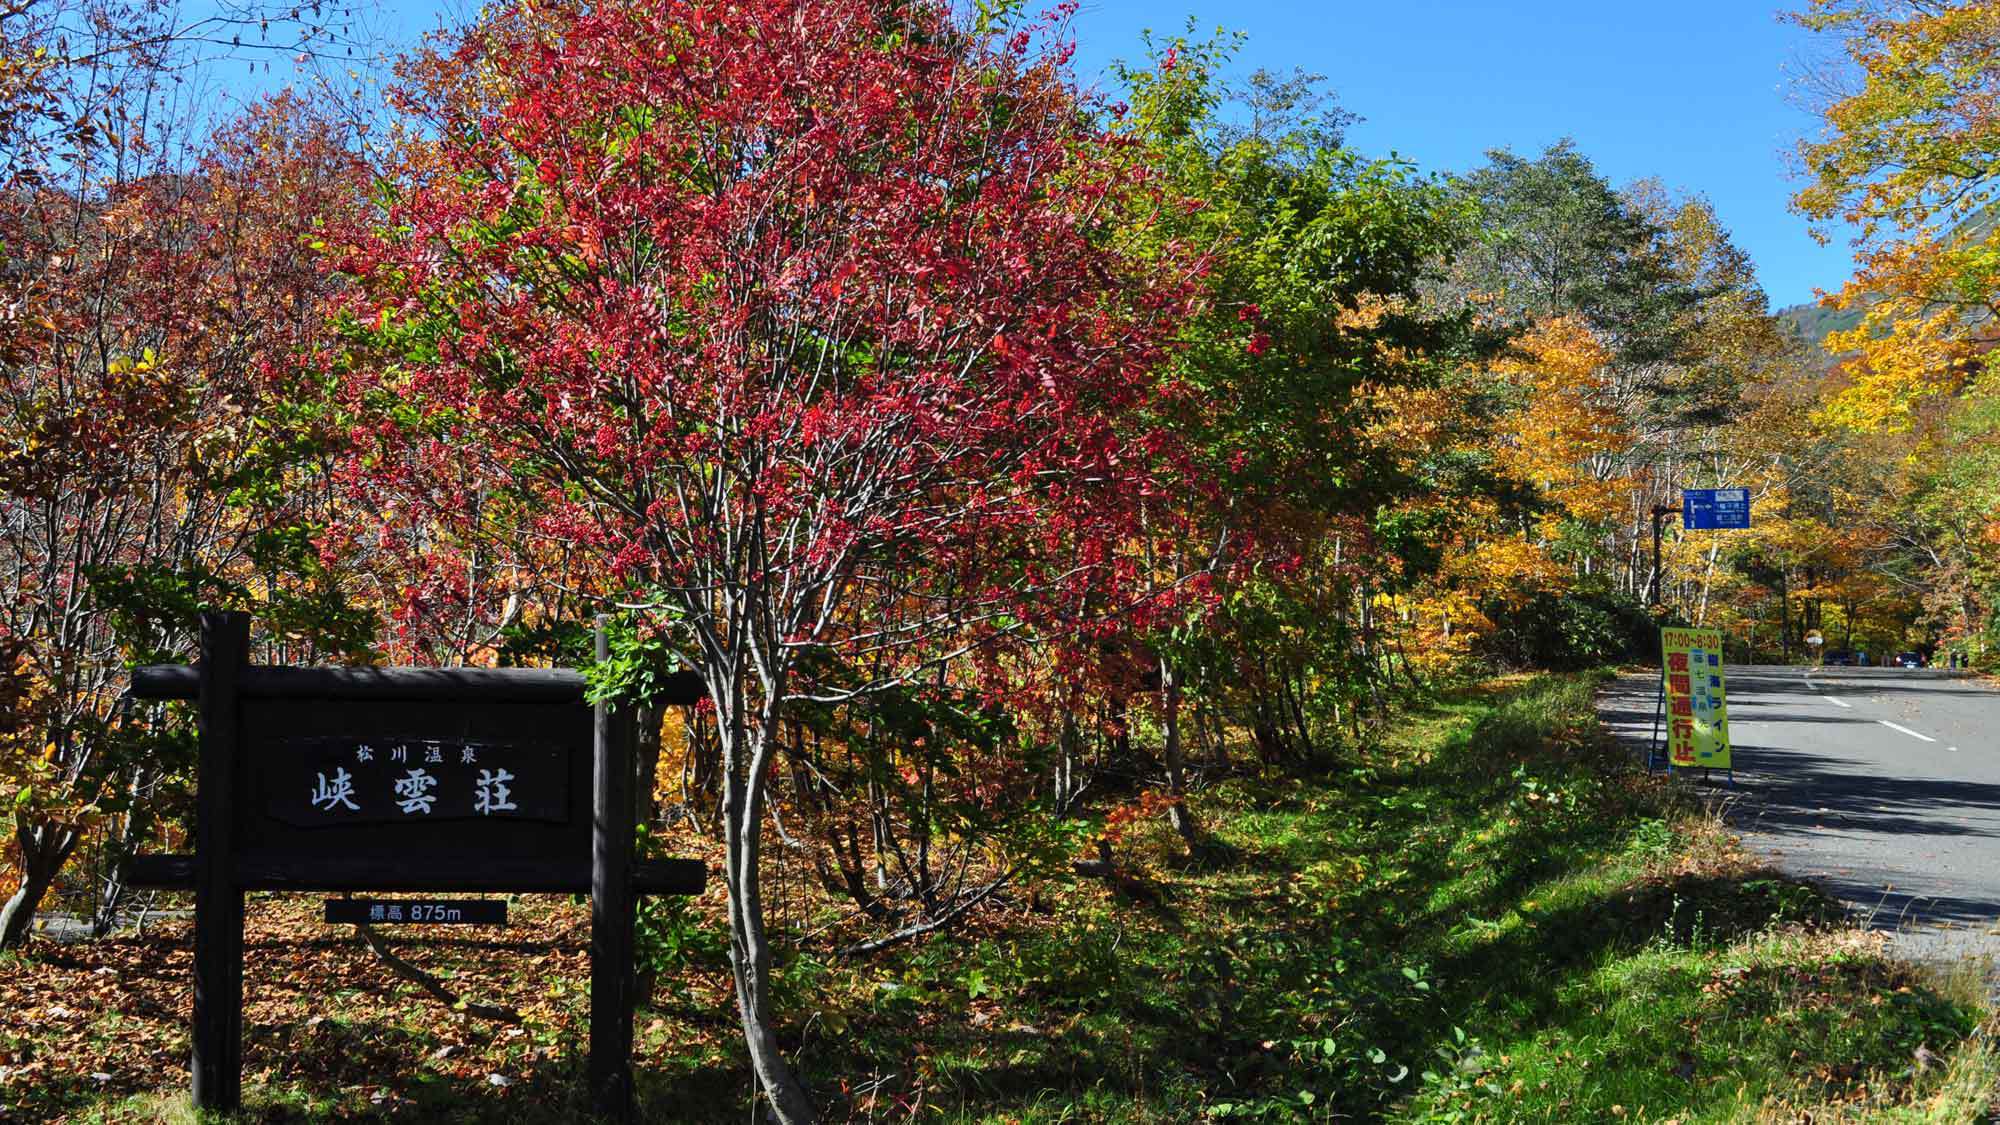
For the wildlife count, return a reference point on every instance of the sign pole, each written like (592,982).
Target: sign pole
(218,900)
(613,983)
(1660,512)
(1659,710)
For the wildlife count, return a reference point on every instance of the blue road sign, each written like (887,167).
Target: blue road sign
(1715,509)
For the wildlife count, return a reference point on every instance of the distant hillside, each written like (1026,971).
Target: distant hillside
(1811,323)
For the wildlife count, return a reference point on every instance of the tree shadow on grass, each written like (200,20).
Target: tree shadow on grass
(324,1070)
(328,1070)
(1211,853)
(1681,911)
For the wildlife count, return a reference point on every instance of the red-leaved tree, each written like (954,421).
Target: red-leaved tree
(151,257)
(780,308)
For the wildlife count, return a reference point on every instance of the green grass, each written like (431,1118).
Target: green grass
(1491,915)
(1497,920)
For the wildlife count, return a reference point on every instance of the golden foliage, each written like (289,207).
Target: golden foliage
(1566,426)
(1912,158)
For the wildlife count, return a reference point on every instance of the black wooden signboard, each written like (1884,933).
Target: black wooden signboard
(404,779)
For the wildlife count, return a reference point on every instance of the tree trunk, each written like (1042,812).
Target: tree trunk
(44,850)
(1175,753)
(132,826)
(1707,583)
(1784,619)
(646,761)
(1067,788)
(745,768)
(701,773)
(1215,727)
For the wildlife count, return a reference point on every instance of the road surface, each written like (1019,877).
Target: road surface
(1880,784)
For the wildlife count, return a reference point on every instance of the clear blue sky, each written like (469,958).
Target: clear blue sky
(1693,93)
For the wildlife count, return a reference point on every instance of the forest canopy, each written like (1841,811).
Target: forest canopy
(993,448)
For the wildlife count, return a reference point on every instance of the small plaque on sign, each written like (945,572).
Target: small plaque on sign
(422,912)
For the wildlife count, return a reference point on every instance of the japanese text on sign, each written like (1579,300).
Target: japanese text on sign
(390,779)
(1715,509)
(1697,704)
(434,912)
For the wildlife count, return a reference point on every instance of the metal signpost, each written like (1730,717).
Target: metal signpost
(411,780)
(1658,582)
(1702,509)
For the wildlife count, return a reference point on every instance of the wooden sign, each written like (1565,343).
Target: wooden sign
(405,779)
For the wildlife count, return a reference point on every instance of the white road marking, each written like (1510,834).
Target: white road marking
(1838,702)
(1905,730)
(1953,749)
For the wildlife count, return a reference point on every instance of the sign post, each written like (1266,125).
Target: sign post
(613,976)
(1658,584)
(218,901)
(405,779)
(1696,698)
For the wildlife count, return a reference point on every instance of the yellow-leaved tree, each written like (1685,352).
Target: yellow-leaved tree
(1910,157)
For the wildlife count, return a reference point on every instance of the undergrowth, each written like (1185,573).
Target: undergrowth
(1493,915)
(1497,917)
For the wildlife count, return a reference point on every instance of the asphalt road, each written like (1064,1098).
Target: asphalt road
(1881,784)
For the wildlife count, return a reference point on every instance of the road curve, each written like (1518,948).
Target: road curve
(1881,784)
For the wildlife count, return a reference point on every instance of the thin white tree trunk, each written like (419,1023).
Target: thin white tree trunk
(1175,753)
(750,947)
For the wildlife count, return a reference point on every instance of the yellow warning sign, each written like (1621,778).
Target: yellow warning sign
(1697,705)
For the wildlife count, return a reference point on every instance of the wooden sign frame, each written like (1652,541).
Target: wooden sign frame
(589,849)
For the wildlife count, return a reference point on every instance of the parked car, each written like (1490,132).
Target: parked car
(1840,657)
(1909,660)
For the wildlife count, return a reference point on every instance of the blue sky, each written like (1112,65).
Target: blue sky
(1694,94)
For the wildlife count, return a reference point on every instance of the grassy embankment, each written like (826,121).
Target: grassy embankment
(1494,918)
